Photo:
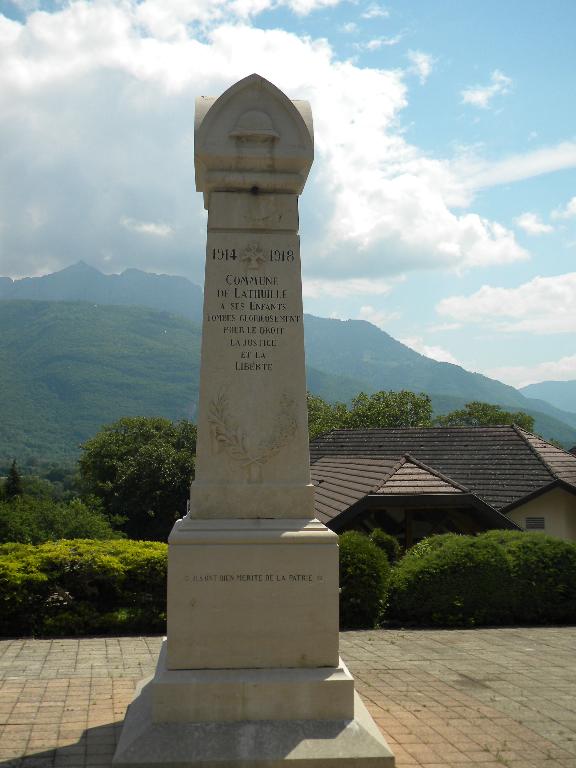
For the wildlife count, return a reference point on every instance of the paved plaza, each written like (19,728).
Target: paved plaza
(493,697)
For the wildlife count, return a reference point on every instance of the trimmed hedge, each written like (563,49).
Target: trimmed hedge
(543,571)
(82,586)
(499,577)
(364,578)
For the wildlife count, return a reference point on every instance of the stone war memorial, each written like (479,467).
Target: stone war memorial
(250,673)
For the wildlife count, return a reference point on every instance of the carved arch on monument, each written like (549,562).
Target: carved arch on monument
(253,136)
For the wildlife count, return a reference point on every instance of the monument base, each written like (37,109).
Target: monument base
(259,743)
(225,695)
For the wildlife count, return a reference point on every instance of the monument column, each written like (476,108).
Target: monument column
(250,673)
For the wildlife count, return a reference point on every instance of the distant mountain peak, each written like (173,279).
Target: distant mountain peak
(134,287)
(79,267)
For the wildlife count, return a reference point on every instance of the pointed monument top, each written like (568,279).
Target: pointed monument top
(252,137)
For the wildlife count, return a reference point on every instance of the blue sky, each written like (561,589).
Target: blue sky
(442,202)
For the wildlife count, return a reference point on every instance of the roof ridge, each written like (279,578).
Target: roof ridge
(419,429)
(399,464)
(522,433)
(437,473)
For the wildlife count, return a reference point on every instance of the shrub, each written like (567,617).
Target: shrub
(80,587)
(452,580)
(364,576)
(543,572)
(388,543)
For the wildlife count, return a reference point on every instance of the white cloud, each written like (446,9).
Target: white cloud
(377,317)
(532,224)
(314,289)
(478,174)
(429,350)
(348,28)
(168,19)
(304,7)
(444,327)
(522,375)
(544,305)
(481,95)
(147,227)
(378,42)
(568,212)
(97,126)
(375,11)
(422,64)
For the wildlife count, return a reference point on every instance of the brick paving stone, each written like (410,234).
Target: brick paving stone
(494,698)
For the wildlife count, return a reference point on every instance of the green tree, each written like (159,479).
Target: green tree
(477,414)
(323,417)
(13,483)
(382,409)
(390,409)
(34,520)
(141,469)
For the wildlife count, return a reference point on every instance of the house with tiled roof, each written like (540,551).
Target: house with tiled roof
(419,481)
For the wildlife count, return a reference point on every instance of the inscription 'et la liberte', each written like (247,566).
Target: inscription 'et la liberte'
(241,300)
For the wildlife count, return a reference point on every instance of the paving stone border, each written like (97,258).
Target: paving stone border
(488,697)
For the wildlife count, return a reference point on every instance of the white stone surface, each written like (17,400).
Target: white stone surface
(321,693)
(252,593)
(252,449)
(252,136)
(253,151)
(350,743)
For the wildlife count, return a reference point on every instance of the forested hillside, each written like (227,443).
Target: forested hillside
(68,368)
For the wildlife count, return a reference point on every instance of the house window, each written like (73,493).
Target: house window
(535,524)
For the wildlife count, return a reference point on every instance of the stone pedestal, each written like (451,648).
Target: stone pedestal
(250,673)
(252,593)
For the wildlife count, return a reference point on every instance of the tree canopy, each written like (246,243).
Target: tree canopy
(477,414)
(33,520)
(404,409)
(382,409)
(141,469)
(391,410)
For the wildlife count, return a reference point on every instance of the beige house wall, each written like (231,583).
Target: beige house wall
(557,507)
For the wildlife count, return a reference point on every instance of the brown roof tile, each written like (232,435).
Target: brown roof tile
(412,478)
(340,482)
(499,464)
(561,464)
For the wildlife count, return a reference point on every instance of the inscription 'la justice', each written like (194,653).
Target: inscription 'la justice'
(252,342)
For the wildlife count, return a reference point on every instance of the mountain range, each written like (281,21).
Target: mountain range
(561,394)
(81,282)
(79,349)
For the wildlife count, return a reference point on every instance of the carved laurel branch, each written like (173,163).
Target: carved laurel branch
(231,438)
(227,434)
